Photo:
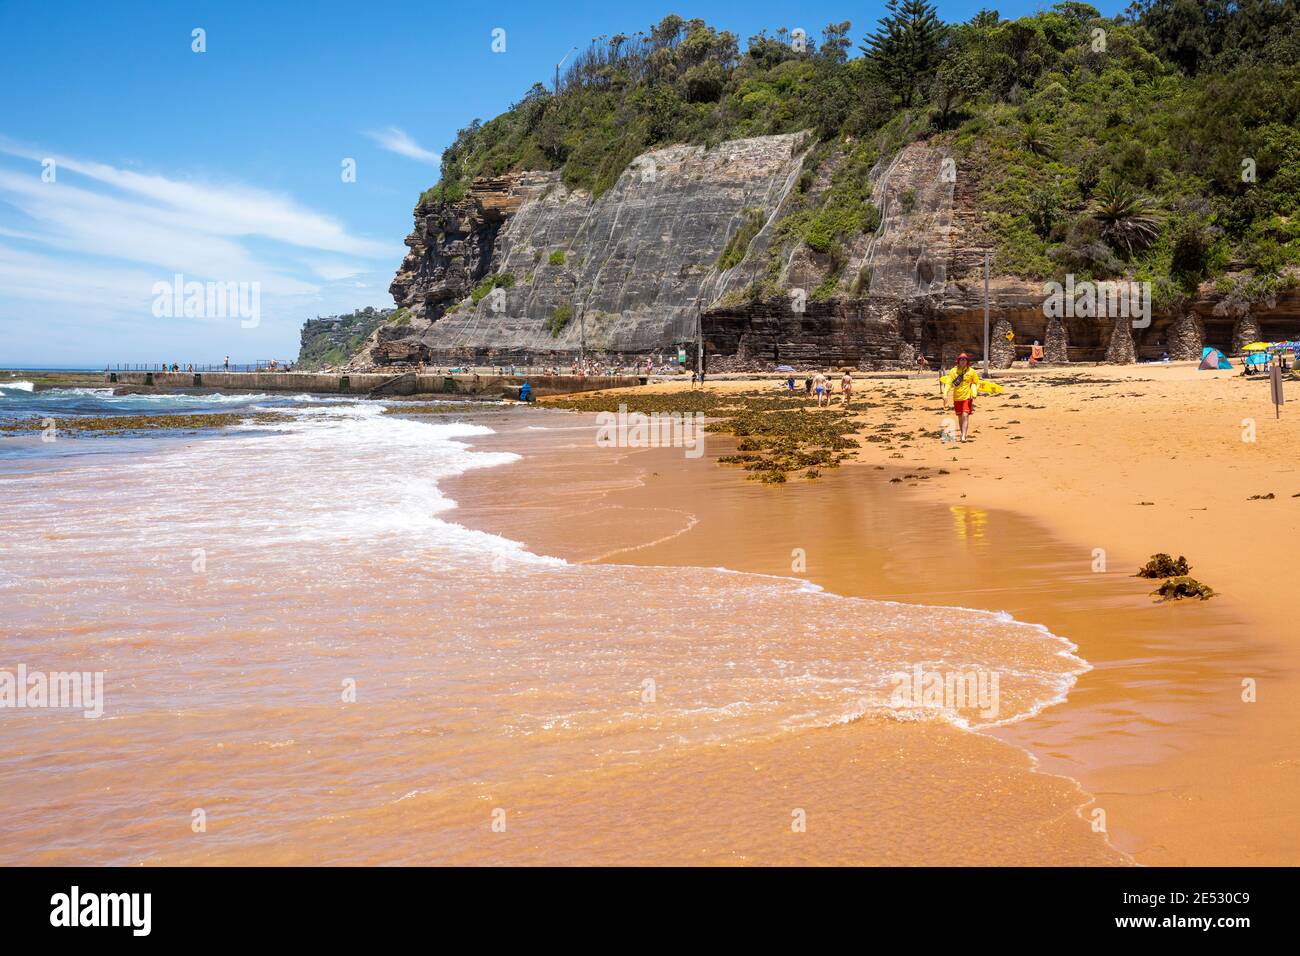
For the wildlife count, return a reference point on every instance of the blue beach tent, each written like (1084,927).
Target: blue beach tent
(1213,358)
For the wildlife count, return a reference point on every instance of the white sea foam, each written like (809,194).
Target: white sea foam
(17,386)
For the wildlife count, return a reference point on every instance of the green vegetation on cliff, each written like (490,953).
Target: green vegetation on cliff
(333,340)
(1163,144)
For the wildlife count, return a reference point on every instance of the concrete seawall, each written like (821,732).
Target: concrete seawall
(365,383)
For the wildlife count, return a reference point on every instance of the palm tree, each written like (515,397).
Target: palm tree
(1035,139)
(1125,216)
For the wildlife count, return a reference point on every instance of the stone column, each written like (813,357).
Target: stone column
(1186,337)
(1121,350)
(1245,331)
(1001,352)
(1056,342)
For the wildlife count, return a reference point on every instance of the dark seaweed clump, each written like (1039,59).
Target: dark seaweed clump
(427,408)
(118,424)
(1163,566)
(1177,588)
(778,432)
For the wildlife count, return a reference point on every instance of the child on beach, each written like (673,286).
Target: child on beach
(960,384)
(846,388)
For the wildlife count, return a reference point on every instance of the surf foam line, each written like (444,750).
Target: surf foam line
(391,487)
(1057,683)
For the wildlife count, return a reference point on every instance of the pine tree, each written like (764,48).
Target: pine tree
(906,47)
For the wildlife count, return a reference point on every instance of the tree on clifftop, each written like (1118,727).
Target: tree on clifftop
(905,49)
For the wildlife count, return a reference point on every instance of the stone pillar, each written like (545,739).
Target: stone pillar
(1001,352)
(1186,338)
(1245,331)
(1056,342)
(1121,350)
(907,355)
(744,350)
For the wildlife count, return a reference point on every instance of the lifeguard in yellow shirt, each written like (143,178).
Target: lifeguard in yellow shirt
(960,385)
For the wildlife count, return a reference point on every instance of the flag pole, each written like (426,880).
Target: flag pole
(986,312)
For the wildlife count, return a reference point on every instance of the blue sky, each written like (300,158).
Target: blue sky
(225,165)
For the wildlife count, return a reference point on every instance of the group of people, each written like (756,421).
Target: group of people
(818,386)
(957,387)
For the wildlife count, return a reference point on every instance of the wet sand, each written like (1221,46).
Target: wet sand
(1184,771)
(492,678)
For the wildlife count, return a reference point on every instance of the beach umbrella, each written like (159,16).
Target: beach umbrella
(1255,347)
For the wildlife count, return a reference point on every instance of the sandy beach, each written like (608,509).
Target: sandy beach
(1131,461)
(637,656)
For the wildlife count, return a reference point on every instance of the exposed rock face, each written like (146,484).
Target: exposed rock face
(885,297)
(400,352)
(622,273)
(824,333)
(452,246)
(627,273)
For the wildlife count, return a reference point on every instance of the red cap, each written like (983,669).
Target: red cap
(963,356)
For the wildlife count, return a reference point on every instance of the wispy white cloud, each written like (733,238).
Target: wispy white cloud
(397,140)
(333,270)
(80,256)
(216,210)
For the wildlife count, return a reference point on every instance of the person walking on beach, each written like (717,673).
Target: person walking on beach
(846,388)
(960,384)
(807,385)
(821,389)
(1035,353)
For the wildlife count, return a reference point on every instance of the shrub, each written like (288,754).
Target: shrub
(734,252)
(560,318)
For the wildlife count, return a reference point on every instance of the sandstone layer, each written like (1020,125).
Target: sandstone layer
(523,269)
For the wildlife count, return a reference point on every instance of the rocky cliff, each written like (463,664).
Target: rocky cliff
(522,265)
(524,268)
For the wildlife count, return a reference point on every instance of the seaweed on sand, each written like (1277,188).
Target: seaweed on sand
(1163,566)
(1177,588)
(776,432)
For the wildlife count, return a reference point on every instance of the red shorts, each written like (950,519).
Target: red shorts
(963,406)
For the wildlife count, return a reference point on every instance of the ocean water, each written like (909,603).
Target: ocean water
(303,648)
